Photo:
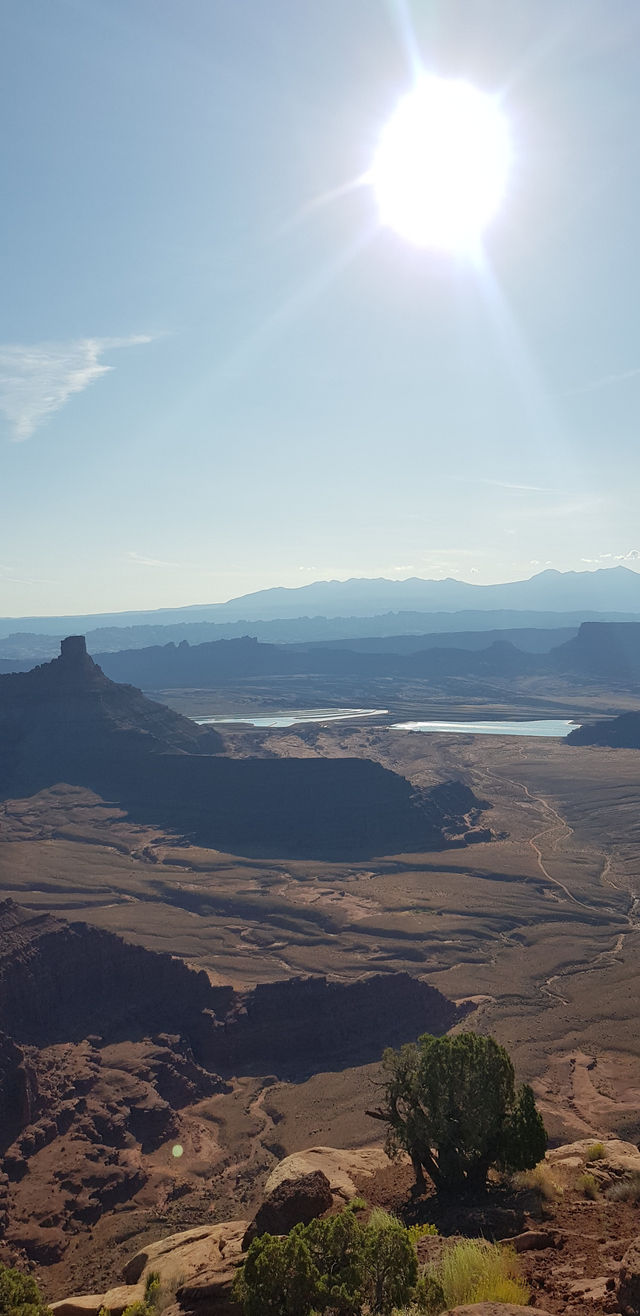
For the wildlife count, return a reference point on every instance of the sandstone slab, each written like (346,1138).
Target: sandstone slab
(202,1262)
(343,1168)
(89,1304)
(622,1157)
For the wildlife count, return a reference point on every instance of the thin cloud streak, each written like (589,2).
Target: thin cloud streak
(37,380)
(605,382)
(519,488)
(142,560)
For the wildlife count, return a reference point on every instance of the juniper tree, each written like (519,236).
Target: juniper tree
(452,1104)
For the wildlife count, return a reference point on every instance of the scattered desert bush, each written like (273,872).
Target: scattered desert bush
(19,1294)
(335,1264)
(540,1180)
(357,1204)
(625,1190)
(588,1186)
(416,1232)
(452,1104)
(156,1297)
(474,1271)
(596,1152)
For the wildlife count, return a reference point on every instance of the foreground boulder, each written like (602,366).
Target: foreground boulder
(292,1202)
(628,1286)
(345,1170)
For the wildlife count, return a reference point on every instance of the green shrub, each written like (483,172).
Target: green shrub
(596,1152)
(451,1103)
(429,1296)
(19,1294)
(335,1264)
(587,1185)
(475,1271)
(625,1190)
(391,1265)
(357,1204)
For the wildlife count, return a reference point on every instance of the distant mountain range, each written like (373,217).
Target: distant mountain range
(612,589)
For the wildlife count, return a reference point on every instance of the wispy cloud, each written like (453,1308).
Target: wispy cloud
(604,382)
(9,576)
(37,380)
(141,561)
(144,560)
(519,488)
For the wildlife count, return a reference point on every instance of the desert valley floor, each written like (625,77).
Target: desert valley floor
(539,924)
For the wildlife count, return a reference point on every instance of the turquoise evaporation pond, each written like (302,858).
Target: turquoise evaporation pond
(293,717)
(550,728)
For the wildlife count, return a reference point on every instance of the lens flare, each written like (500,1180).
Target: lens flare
(440,169)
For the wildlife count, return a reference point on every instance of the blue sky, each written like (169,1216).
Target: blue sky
(209,383)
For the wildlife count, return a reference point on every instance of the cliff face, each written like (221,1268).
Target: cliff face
(311,1023)
(18,1091)
(63,982)
(292,808)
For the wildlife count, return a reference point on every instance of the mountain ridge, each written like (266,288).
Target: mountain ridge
(614,588)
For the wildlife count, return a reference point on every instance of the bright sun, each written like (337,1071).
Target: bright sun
(441,166)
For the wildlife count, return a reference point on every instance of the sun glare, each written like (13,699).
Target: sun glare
(440,169)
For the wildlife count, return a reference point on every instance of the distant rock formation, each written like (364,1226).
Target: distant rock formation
(66,721)
(65,718)
(621,732)
(604,651)
(177,666)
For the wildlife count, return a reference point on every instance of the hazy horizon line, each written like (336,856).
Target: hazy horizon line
(615,562)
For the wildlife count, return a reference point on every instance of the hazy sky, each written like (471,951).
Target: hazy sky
(209,383)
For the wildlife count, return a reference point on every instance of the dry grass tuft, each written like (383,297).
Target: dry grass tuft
(541,1181)
(596,1152)
(588,1185)
(476,1271)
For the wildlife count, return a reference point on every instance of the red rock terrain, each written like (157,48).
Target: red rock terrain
(92,1085)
